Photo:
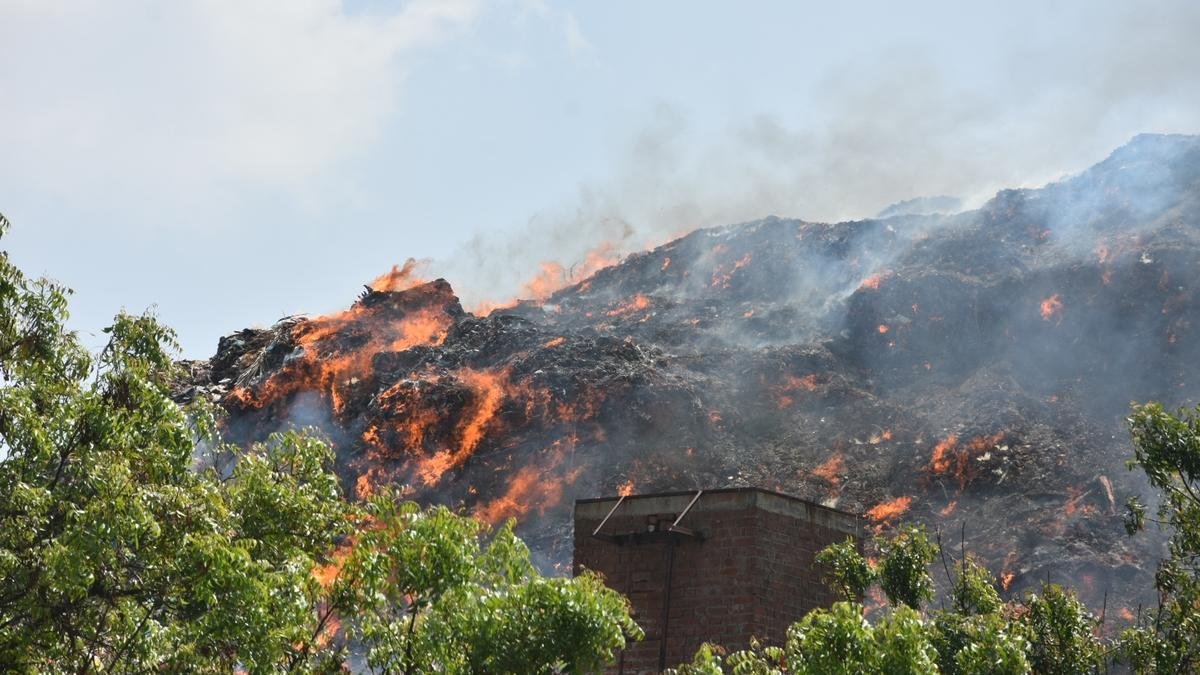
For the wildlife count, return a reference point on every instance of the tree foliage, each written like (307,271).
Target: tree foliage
(426,593)
(1167,448)
(1046,632)
(904,574)
(129,544)
(846,571)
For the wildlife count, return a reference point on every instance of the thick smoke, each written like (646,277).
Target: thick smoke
(873,135)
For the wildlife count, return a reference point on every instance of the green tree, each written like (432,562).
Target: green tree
(978,635)
(847,572)
(1167,448)
(836,641)
(1062,633)
(116,554)
(127,546)
(426,591)
(904,571)
(987,645)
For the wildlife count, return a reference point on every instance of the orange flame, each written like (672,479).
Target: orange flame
(326,574)
(831,469)
(948,457)
(941,460)
(399,278)
(1006,579)
(724,274)
(889,511)
(488,388)
(1074,494)
(552,276)
(532,488)
(638,303)
(1051,308)
(873,281)
(786,390)
(326,366)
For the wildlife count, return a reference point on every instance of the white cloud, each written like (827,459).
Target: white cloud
(576,42)
(180,103)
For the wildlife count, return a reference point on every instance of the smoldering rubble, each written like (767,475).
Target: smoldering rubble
(968,370)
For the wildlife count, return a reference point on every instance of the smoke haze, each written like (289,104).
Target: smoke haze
(877,131)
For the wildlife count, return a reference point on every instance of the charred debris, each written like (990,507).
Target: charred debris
(969,367)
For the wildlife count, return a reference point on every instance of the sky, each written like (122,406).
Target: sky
(230,162)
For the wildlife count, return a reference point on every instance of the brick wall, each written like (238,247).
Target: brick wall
(751,572)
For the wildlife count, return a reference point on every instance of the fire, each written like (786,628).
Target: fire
(399,278)
(949,457)
(665,264)
(948,509)
(723,275)
(333,626)
(523,487)
(872,282)
(485,307)
(325,364)
(1007,576)
(1074,494)
(488,388)
(328,573)
(941,460)
(423,440)
(889,511)
(1127,614)
(639,303)
(882,328)
(533,487)
(552,276)
(1051,308)
(554,342)
(376,474)
(626,488)
(831,469)
(784,392)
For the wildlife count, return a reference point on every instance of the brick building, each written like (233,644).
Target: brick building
(715,566)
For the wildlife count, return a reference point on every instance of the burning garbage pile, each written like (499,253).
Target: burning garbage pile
(971,368)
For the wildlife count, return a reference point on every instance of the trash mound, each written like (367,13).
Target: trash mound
(969,370)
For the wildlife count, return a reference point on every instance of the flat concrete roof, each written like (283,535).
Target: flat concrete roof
(723,499)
